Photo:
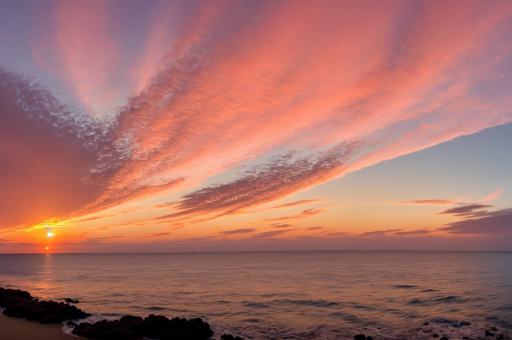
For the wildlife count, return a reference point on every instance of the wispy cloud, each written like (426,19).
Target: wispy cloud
(396,232)
(425,202)
(304,214)
(493,195)
(271,233)
(496,222)
(295,204)
(280,225)
(237,231)
(465,210)
(236,86)
(159,234)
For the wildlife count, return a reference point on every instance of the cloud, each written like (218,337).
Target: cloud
(263,82)
(159,234)
(280,225)
(96,240)
(465,210)
(237,231)
(497,222)
(305,214)
(493,195)
(294,204)
(272,233)
(413,232)
(396,232)
(379,232)
(315,228)
(335,234)
(425,202)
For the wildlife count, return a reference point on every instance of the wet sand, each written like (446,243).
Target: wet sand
(21,329)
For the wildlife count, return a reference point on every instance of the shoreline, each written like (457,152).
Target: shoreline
(22,329)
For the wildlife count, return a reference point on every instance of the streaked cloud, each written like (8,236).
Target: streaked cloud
(304,214)
(271,233)
(465,210)
(280,225)
(159,234)
(294,204)
(396,232)
(293,94)
(493,195)
(425,202)
(496,222)
(237,231)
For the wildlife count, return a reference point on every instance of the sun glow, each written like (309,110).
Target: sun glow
(50,234)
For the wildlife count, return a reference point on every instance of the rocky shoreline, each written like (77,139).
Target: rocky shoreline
(21,304)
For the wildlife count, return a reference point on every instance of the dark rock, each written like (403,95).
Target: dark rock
(50,318)
(359,337)
(230,337)
(488,333)
(76,301)
(444,338)
(69,300)
(153,326)
(20,304)
(71,323)
(426,324)
(435,335)
(465,338)
(499,336)
(369,338)
(464,323)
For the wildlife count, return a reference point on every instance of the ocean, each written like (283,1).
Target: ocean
(284,295)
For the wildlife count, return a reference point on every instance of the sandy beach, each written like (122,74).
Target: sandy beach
(21,329)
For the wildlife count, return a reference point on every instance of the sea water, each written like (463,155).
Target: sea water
(285,295)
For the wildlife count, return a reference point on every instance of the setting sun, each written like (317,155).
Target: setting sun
(50,234)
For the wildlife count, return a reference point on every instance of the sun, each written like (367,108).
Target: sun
(50,234)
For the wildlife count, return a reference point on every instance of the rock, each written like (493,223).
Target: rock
(359,337)
(488,333)
(465,338)
(499,336)
(50,318)
(435,335)
(76,301)
(230,337)
(426,324)
(464,323)
(69,300)
(20,304)
(71,323)
(444,338)
(153,326)
(369,338)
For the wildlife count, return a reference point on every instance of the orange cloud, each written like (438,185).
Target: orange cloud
(308,91)
(305,214)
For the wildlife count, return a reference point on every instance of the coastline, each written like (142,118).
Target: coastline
(22,329)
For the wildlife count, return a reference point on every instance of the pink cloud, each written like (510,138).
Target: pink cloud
(493,195)
(425,202)
(309,91)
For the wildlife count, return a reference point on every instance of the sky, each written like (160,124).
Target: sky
(169,126)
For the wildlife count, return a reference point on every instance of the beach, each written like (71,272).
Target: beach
(21,329)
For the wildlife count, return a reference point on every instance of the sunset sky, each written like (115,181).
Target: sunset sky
(160,126)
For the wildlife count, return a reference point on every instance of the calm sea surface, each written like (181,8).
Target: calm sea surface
(300,295)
